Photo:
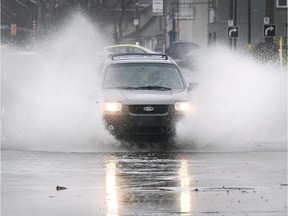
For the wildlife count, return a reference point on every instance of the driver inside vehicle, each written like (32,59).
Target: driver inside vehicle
(155,78)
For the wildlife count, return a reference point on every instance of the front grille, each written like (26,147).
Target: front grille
(148,109)
(149,130)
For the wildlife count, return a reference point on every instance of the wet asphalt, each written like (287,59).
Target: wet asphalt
(144,183)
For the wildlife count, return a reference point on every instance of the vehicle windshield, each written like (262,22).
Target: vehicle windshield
(125,49)
(180,49)
(143,76)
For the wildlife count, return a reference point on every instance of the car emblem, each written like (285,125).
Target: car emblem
(148,108)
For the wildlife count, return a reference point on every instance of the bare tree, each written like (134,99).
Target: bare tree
(103,11)
(52,13)
(117,10)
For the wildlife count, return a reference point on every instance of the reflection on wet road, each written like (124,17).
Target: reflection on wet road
(144,183)
(185,183)
(111,190)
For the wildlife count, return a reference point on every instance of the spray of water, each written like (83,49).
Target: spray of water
(48,99)
(239,105)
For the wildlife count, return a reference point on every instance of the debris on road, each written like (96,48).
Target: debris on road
(60,188)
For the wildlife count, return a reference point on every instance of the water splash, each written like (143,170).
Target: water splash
(239,105)
(48,99)
(49,96)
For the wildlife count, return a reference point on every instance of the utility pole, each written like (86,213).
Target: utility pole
(174,17)
(137,22)
(269,12)
(233,16)
(249,24)
(235,21)
(164,17)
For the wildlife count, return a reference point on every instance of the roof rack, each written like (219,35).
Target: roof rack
(127,56)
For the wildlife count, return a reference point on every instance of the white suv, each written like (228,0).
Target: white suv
(144,95)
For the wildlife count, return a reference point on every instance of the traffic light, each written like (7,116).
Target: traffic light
(34,25)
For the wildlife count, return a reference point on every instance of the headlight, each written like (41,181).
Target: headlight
(112,106)
(182,106)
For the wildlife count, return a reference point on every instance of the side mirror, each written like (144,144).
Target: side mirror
(192,86)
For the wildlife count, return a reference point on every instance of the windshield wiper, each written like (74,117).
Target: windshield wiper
(123,87)
(156,87)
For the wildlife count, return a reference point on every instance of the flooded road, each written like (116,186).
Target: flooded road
(230,156)
(144,183)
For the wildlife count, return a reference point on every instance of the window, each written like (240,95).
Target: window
(142,74)
(212,15)
(134,50)
(282,4)
(186,11)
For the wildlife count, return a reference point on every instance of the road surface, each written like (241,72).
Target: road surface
(170,182)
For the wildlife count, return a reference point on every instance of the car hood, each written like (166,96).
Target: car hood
(133,97)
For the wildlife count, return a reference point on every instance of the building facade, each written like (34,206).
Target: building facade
(191,21)
(204,22)
(249,16)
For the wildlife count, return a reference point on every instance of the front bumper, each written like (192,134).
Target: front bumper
(133,121)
